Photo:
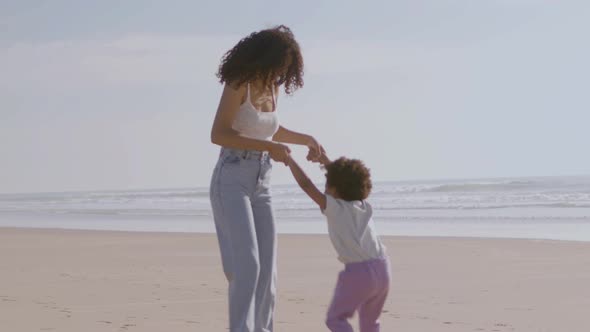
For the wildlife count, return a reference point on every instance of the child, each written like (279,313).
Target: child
(364,283)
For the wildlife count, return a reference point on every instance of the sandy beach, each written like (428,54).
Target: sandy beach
(66,280)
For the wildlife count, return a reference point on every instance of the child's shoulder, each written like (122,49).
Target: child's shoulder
(338,203)
(343,201)
(333,205)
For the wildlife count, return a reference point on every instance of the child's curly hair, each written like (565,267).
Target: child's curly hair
(350,177)
(263,56)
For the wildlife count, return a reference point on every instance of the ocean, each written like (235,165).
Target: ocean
(555,208)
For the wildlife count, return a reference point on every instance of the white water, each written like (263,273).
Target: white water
(544,208)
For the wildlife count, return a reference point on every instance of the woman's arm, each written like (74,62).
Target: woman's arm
(223,134)
(292,137)
(285,135)
(306,184)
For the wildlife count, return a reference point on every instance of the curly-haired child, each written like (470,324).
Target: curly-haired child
(363,285)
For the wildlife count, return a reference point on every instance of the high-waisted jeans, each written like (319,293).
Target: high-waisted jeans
(241,202)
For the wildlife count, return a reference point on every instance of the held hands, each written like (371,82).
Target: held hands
(280,153)
(317,154)
(316,151)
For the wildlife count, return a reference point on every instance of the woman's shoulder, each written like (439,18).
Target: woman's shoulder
(236,87)
(235,90)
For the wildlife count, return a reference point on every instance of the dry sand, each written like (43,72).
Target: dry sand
(84,281)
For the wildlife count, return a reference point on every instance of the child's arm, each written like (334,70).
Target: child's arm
(324,160)
(305,183)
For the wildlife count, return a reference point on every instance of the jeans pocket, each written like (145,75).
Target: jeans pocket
(231,159)
(231,171)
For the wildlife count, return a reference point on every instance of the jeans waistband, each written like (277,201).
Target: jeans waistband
(245,154)
(364,264)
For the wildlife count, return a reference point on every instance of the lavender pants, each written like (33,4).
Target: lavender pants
(361,286)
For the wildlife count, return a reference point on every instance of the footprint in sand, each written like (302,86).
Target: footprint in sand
(67,312)
(296,300)
(451,323)
(127,326)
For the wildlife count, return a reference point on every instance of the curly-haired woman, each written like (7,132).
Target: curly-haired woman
(247,128)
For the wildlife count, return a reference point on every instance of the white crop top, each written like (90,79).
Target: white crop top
(253,123)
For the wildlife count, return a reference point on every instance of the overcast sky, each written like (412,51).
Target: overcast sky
(121,94)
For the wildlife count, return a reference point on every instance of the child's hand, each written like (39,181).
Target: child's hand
(312,155)
(315,149)
(318,156)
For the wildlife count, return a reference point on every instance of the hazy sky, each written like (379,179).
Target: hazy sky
(121,94)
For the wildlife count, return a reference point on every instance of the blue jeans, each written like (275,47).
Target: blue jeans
(241,202)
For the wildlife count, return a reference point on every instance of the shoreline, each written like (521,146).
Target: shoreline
(180,233)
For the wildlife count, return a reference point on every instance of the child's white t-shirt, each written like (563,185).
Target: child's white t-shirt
(352,230)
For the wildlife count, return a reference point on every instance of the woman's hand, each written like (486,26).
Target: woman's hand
(323,159)
(316,150)
(280,152)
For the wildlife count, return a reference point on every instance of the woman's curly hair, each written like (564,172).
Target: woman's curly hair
(350,177)
(263,56)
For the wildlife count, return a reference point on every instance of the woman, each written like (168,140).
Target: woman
(247,128)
